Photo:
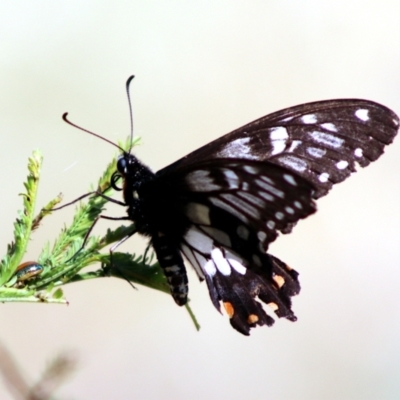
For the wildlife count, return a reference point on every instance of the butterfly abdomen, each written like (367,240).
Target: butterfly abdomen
(171,262)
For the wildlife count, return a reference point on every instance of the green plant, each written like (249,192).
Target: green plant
(66,260)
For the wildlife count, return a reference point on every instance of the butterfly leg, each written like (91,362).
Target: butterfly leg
(73,201)
(89,231)
(112,249)
(96,193)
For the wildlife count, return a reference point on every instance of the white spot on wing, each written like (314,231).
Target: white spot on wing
(261,236)
(266,195)
(290,179)
(251,170)
(294,145)
(362,114)
(277,147)
(266,179)
(278,133)
(329,127)
(289,210)
(358,152)
(323,177)
(271,224)
(279,215)
(237,266)
(252,199)
(270,188)
(237,148)
(278,138)
(231,178)
(327,139)
(200,181)
(342,164)
(229,174)
(309,119)
(316,152)
(210,269)
(220,262)
(297,204)
(293,162)
(243,205)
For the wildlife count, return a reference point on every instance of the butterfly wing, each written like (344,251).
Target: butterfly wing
(234,209)
(238,191)
(321,141)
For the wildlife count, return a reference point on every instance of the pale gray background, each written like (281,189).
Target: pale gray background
(203,69)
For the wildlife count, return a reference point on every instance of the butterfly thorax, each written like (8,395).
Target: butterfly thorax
(152,202)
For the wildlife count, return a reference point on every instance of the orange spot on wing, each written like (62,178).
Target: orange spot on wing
(229,309)
(252,319)
(278,280)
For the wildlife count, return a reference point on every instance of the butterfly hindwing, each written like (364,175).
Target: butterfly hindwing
(236,207)
(237,282)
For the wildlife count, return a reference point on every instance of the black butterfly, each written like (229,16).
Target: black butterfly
(222,205)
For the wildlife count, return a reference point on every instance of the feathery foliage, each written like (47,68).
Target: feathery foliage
(64,262)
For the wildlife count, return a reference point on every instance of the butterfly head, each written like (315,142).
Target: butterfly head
(128,164)
(131,170)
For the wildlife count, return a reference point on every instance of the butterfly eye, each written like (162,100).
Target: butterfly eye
(122,165)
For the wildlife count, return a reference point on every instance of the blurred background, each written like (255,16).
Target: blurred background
(203,69)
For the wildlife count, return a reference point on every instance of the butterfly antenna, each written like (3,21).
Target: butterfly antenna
(64,117)
(128,83)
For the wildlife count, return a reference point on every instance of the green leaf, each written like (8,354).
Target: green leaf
(24,223)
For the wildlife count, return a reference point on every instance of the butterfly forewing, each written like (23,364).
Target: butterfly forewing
(321,141)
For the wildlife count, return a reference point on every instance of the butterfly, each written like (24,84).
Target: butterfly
(221,206)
